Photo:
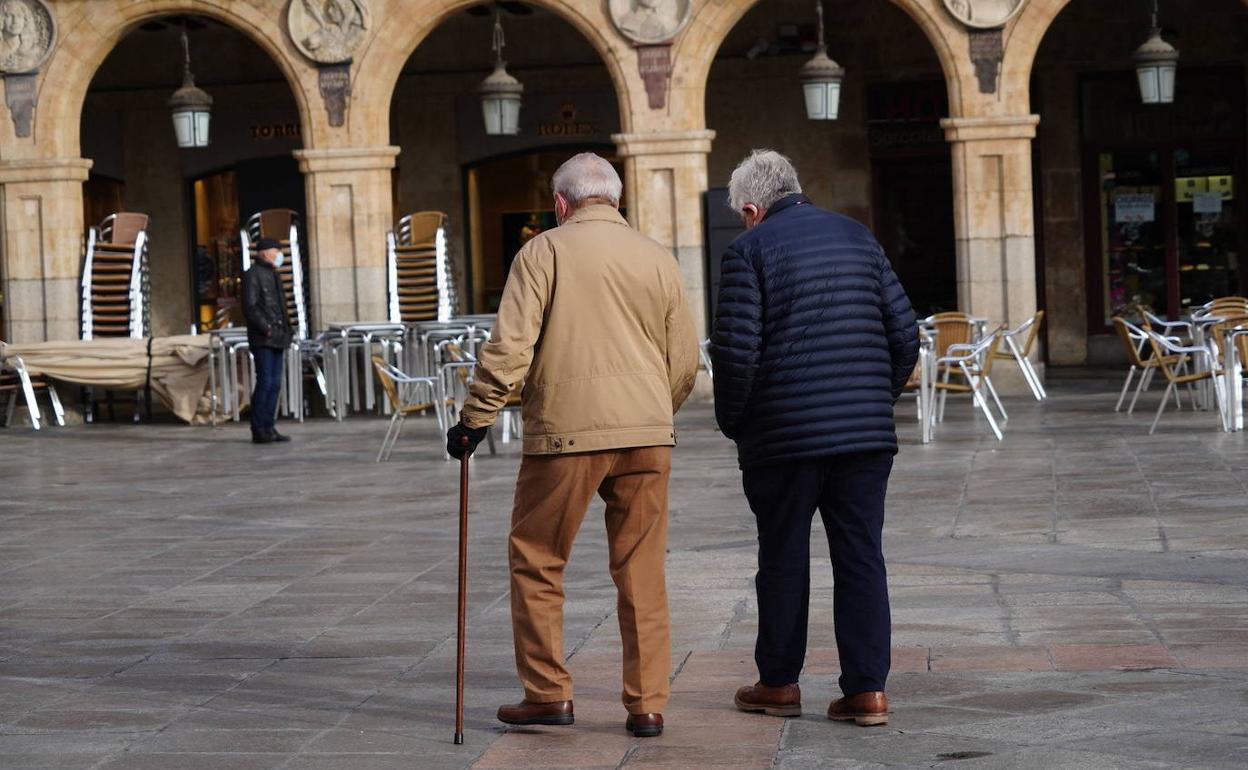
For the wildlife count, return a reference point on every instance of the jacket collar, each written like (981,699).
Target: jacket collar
(787,202)
(598,212)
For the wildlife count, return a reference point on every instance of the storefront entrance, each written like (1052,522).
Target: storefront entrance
(1165,224)
(221,203)
(510,202)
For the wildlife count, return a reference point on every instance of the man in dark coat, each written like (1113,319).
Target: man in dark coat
(814,340)
(268,334)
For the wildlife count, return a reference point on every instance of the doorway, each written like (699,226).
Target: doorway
(509,203)
(914,224)
(221,203)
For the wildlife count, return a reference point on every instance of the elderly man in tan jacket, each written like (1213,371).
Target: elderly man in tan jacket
(594,327)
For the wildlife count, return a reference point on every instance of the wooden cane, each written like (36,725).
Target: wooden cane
(463,596)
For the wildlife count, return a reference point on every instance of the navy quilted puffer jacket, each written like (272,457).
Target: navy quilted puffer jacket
(814,338)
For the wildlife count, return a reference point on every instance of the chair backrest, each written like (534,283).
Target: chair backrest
(420,227)
(275,223)
(1165,359)
(387,381)
(989,346)
(1032,327)
(123,227)
(1131,336)
(951,329)
(1241,340)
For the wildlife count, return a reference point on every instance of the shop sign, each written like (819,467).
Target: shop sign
(568,125)
(264,131)
(1134,208)
(1207,203)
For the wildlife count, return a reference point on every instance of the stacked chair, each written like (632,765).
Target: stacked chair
(283,226)
(116,292)
(116,288)
(420,285)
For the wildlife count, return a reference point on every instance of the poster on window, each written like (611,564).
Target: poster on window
(1134,208)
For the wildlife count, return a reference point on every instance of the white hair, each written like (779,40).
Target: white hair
(586,176)
(764,177)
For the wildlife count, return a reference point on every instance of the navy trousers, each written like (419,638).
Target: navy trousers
(269,363)
(848,491)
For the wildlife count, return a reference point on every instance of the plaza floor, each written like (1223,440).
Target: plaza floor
(177,598)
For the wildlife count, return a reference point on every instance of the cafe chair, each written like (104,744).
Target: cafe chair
(1165,350)
(1020,352)
(1140,355)
(407,395)
(17,383)
(973,363)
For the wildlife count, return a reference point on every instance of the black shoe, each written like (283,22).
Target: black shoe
(262,438)
(279,438)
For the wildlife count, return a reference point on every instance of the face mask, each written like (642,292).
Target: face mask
(280,260)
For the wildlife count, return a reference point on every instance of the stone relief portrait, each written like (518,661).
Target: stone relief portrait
(27,31)
(984,14)
(650,21)
(327,31)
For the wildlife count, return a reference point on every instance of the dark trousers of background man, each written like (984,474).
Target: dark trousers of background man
(268,385)
(848,490)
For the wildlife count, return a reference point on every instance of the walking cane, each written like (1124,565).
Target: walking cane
(463,596)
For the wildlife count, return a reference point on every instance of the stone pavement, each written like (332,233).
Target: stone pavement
(174,597)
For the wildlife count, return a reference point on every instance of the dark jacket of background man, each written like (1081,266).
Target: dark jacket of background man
(264,307)
(814,338)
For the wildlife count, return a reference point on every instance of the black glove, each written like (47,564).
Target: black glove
(461,441)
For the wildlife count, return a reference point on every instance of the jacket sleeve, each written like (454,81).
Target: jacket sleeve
(505,360)
(900,326)
(253,303)
(737,339)
(682,346)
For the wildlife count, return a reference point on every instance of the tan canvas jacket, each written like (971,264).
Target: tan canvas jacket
(594,326)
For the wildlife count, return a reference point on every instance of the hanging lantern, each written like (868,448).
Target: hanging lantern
(191,106)
(821,79)
(500,92)
(1156,63)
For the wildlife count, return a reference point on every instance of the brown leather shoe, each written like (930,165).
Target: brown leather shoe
(864,709)
(783,701)
(644,725)
(526,712)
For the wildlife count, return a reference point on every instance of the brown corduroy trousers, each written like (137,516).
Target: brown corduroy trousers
(552,495)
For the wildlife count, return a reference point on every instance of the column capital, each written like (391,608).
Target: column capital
(990,128)
(664,143)
(346,159)
(45,170)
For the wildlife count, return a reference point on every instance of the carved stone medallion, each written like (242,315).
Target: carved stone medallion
(647,22)
(984,14)
(27,32)
(327,31)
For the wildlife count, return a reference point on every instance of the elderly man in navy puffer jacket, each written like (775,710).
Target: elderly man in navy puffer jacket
(814,340)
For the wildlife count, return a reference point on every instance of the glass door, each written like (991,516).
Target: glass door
(1208,225)
(1134,273)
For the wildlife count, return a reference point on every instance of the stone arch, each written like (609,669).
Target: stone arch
(695,50)
(393,44)
(90,31)
(1027,34)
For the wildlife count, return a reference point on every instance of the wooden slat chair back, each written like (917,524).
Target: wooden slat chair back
(951,329)
(123,228)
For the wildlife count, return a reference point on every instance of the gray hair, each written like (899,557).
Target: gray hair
(764,177)
(586,176)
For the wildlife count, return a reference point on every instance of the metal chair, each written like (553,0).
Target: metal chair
(1165,350)
(403,393)
(1028,330)
(973,362)
(18,383)
(1135,344)
(704,355)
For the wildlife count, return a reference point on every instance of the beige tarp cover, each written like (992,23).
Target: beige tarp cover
(179,367)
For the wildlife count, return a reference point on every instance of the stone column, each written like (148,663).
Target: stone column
(665,177)
(350,209)
(994,220)
(41,241)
